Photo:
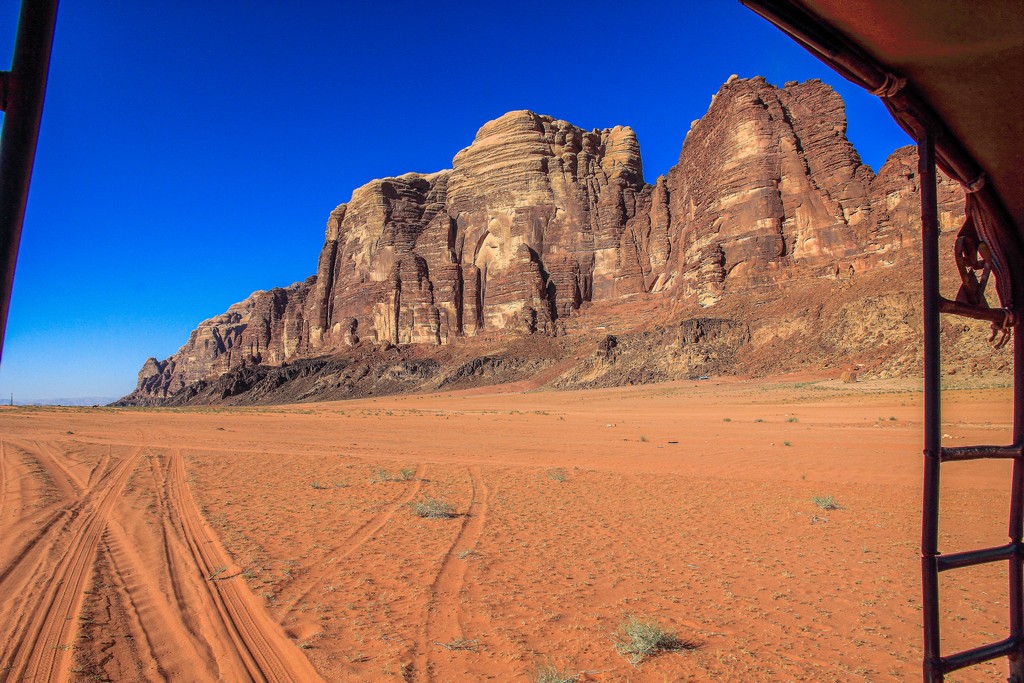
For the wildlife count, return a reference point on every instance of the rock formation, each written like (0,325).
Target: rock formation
(529,223)
(538,219)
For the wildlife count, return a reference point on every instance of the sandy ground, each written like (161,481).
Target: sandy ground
(279,543)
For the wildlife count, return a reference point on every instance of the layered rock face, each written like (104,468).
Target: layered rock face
(538,217)
(528,224)
(768,189)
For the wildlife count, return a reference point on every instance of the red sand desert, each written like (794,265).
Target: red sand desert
(278,543)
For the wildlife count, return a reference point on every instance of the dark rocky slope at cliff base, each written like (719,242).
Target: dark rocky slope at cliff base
(546,237)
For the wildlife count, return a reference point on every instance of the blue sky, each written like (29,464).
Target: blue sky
(191,151)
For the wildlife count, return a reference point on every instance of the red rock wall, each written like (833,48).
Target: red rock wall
(538,217)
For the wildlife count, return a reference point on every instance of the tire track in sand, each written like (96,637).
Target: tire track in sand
(32,528)
(363,533)
(442,618)
(266,652)
(152,596)
(30,505)
(54,463)
(32,500)
(36,653)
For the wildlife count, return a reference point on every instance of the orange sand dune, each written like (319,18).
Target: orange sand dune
(279,544)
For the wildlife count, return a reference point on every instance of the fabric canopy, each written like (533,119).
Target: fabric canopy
(965,58)
(952,67)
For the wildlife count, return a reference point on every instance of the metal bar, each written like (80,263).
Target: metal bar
(977,655)
(981,452)
(933,672)
(992,315)
(5,84)
(970,558)
(1016,526)
(26,87)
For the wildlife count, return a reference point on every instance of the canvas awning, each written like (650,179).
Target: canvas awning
(953,66)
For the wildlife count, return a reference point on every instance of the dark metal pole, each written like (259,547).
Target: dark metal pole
(932,409)
(22,100)
(1016,529)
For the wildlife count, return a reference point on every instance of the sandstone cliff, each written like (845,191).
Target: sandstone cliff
(542,228)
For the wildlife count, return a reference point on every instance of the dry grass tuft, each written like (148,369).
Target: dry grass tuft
(556,474)
(549,673)
(432,508)
(638,639)
(825,502)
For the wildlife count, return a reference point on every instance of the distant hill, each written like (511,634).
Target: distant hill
(79,401)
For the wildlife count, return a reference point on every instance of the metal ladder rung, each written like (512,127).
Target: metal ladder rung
(981,452)
(969,558)
(978,655)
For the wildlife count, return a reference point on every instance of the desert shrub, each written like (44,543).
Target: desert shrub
(557,474)
(381,475)
(792,419)
(432,508)
(638,639)
(825,502)
(548,673)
